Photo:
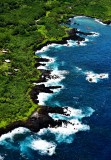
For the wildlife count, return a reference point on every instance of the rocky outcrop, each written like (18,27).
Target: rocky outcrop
(38,120)
(108,22)
(41,88)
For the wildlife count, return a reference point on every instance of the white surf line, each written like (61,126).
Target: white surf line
(51,59)
(42,67)
(68,44)
(99,21)
(55,78)
(11,134)
(43,97)
(47,47)
(96,19)
(76,17)
(45,65)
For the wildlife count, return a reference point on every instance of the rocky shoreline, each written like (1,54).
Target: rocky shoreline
(40,118)
(72,35)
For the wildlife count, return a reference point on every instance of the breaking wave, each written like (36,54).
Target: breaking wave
(65,133)
(1,157)
(99,21)
(13,133)
(44,147)
(92,77)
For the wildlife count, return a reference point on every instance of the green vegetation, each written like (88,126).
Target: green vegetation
(24,26)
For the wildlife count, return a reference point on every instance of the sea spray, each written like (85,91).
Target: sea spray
(10,135)
(55,78)
(44,147)
(65,133)
(1,157)
(43,97)
(92,77)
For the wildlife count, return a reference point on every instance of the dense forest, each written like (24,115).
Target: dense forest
(24,26)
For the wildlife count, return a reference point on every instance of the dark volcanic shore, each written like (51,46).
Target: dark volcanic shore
(72,35)
(41,88)
(40,118)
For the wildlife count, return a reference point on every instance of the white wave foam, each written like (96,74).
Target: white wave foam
(71,43)
(71,113)
(76,17)
(77,113)
(65,133)
(91,76)
(1,158)
(44,49)
(51,59)
(59,73)
(43,97)
(82,43)
(10,135)
(95,34)
(47,48)
(62,133)
(94,77)
(56,77)
(99,21)
(44,147)
(68,44)
(42,67)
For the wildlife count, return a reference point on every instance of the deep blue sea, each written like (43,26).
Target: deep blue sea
(84,72)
